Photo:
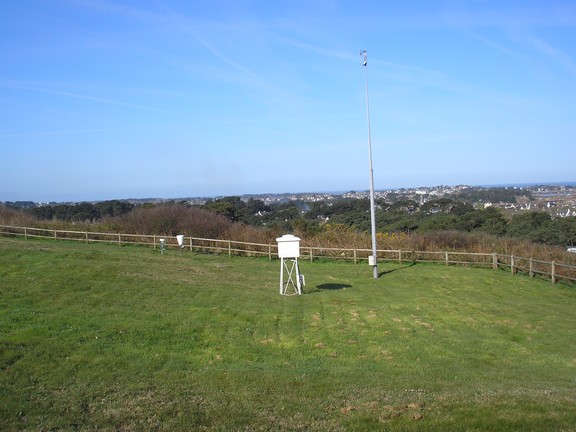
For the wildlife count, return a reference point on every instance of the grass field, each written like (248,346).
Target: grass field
(100,337)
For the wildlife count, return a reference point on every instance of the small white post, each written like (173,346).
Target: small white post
(180,240)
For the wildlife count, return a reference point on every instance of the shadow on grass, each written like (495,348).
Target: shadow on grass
(332,286)
(412,264)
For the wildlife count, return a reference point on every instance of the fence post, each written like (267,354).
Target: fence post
(512,264)
(495,261)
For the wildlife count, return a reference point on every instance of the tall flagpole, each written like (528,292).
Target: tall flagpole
(372,211)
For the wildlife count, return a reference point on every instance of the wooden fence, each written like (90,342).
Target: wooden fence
(532,267)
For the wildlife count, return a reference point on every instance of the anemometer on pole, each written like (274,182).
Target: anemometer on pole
(372,260)
(291,281)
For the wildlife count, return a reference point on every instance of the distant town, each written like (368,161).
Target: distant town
(559,200)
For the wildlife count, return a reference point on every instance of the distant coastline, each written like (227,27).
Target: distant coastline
(349,192)
(526,185)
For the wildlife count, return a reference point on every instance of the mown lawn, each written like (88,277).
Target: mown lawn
(101,337)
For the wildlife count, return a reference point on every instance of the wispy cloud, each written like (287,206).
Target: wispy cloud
(555,54)
(498,46)
(538,48)
(214,37)
(112,7)
(25,87)
(235,65)
(56,133)
(399,73)
(340,55)
(506,16)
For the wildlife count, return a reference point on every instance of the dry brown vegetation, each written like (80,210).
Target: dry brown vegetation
(339,236)
(173,219)
(10,216)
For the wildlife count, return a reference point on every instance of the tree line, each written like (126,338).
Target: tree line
(404,216)
(311,218)
(81,212)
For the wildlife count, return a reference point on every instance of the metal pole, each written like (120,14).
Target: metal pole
(281,275)
(372,211)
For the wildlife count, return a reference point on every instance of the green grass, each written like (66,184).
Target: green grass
(100,337)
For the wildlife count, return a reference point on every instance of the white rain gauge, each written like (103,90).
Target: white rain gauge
(291,281)
(162,241)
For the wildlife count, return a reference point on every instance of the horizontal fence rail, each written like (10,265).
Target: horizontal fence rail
(552,270)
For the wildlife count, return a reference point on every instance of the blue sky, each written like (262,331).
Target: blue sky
(106,99)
